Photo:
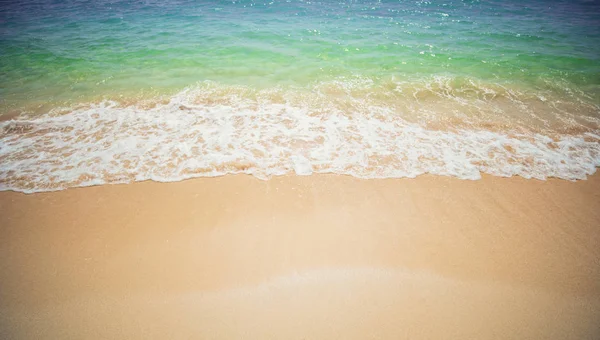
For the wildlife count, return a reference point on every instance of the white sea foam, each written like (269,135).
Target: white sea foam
(191,137)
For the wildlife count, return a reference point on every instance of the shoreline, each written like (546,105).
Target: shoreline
(385,257)
(210,131)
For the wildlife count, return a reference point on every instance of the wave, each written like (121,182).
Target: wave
(353,127)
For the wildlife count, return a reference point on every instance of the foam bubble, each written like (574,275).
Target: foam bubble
(216,130)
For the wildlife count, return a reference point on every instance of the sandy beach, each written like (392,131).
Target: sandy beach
(315,257)
(352,169)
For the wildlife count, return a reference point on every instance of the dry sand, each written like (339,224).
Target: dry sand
(318,257)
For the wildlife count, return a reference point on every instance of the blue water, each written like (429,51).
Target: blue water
(57,50)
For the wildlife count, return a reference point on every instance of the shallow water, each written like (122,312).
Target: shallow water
(117,91)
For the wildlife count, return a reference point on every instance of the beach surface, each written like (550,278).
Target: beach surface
(303,257)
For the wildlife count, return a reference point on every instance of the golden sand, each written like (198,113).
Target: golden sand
(318,257)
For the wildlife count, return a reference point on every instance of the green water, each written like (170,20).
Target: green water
(70,51)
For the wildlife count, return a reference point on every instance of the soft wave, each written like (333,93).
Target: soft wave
(337,127)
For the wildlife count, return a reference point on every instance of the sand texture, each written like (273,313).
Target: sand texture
(314,257)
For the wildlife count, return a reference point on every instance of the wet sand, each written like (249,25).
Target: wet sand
(317,257)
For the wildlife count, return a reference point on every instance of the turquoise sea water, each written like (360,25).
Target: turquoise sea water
(116,91)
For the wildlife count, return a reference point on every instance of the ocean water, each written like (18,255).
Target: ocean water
(114,91)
